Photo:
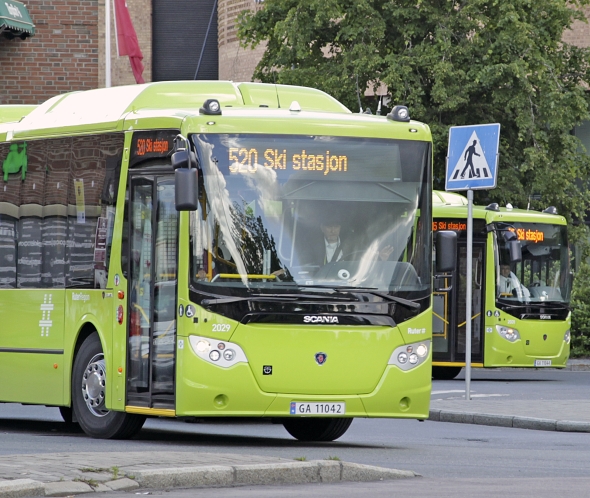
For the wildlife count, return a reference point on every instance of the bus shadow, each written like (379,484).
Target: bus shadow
(176,437)
(37,427)
(232,440)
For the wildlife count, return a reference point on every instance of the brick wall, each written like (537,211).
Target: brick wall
(235,63)
(62,56)
(67,52)
(579,35)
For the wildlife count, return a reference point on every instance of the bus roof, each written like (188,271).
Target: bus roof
(451,204)
(171,104)
(14,113)
(106,108)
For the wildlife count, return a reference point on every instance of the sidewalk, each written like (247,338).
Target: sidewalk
(66,474)
(572,415)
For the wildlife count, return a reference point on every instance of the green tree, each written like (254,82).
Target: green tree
(452,63)
(581,313)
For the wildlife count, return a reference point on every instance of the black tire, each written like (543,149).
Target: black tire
(445,373)
(88,396)
(317,429)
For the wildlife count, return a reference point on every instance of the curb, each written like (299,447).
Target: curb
(314,471)
(538,424)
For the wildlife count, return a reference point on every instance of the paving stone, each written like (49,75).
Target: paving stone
(65,488)
(279,473)
(364,473)
(21,487)
(123,484)
(540,424)
(208,476)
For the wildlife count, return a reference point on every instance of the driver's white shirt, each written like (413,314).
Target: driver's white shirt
(507,284)
(330,249)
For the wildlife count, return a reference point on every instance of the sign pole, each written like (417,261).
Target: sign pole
(468,294)
(472,164)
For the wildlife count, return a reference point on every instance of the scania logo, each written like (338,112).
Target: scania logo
(320,319)
(321,358)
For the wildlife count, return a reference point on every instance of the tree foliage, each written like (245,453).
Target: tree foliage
(452,62)
(580,304)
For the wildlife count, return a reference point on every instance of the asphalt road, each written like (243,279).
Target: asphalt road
(519,384)
(434,449)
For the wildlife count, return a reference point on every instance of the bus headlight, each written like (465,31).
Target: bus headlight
(203,346)
(226,355)
(410,355)
(508,333)
(567,337)
(422,350)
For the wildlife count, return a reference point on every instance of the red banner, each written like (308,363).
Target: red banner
(127,39)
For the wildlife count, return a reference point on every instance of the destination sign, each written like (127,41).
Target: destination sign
(528,235)
(292,158)
(457,225)
(246,160)
(151,144)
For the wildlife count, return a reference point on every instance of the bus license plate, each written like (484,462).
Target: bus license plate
(542,363)
(317,408)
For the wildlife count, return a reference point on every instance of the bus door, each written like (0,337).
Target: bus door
(449,323)
(152,268)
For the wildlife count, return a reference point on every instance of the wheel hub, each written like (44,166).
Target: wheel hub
(93,385)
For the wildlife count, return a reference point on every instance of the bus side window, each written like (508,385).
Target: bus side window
(125,238)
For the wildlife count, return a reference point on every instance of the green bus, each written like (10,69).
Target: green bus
(521,285)
(157,250)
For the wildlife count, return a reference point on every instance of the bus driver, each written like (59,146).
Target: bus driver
(510,285)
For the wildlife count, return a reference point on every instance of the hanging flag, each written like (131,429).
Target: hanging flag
(127,43)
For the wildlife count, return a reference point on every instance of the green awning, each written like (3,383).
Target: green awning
(15,19)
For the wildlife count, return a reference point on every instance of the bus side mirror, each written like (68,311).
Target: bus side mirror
(186,188)
(181,159)
(446,251)
(513,247)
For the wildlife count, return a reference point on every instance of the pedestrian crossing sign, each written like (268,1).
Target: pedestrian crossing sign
(472,159)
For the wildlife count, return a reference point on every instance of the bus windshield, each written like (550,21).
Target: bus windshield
(299,212)
(543,274)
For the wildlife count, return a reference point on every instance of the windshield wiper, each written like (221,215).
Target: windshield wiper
(537,304)
(370,290)
(300,298)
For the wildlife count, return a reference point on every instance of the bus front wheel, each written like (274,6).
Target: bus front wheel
(317,429)
(88,396)
(445,373)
